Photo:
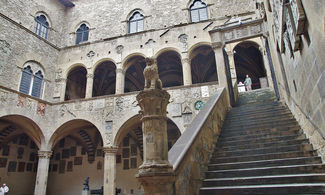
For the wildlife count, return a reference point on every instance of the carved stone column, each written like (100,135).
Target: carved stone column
(221,66)
(63,84)
(155,174)
(89,86)
(42,172)
(120,76)
(232,66)
(110,169)
(187,74)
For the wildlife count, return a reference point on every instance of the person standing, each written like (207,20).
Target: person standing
(5,188)
(2,191)
(248,83)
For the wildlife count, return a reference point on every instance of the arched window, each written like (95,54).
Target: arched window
(136,23)
(82,33)
(31,84)
(41,26)
(199,11)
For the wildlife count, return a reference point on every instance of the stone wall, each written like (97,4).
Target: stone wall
(300,72)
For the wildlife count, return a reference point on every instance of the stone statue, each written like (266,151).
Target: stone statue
(151,76)
(86,184)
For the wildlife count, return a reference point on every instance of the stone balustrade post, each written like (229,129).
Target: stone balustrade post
(110,169)
(187,74)
(89,86)
(42,172)
(120,77)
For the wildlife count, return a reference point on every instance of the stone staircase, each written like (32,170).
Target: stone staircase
(262,150)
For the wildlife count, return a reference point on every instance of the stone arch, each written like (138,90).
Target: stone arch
(190,2)
(125,66)
(76,83)
(77,147)
(203,64)
(80,23)
(133,11)
(134,79)
(70,68)
(98,62)
(249,61)
(170,67)
(38,13)
(25,125)
(196,45)
(104,79)
(167,49)
(20,139)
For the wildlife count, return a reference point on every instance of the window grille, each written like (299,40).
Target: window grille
(82,34)
(199,11)
(136,23)
(41,27)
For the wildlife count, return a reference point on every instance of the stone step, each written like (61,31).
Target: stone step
(262,180)
(225,133)
(258,140)
(265,150)
(258,157)
(256,120)
(278,189)
(261,126)
(261,145)
(258,116)
(268,163)
(264,171)
(263,134)
(265,110)
(257,123)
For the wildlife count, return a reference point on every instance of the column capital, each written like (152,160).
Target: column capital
(216,45)
(44,154)
(90,76)
(110,149)
(185,60)
(120,70)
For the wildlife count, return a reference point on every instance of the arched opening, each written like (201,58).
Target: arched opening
(130,153)
(104,79)
(77,149)
(76,83)
(203,65)
(134,79)
(249,61)
(170,69)
(20,140)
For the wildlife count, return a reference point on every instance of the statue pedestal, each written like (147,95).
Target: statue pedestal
(85,192)
(155,174)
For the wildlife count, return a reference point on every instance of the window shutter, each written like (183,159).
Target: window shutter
(195,15)
(37,84)
(25,80)
(203,14)
(140,25)
(133,27)
(85,36)
(78,37)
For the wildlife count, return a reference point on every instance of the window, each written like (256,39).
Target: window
(41,26)
(199,11)
(31,84)
(136,23)
(82,34)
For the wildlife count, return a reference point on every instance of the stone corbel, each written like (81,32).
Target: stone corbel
(45,154)
(110,149)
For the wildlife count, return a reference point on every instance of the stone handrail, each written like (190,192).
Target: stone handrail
(191,153)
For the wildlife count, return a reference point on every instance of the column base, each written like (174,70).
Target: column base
(157,183)
(85,192)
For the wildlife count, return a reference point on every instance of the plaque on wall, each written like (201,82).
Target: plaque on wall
(61,143)
(65,153)
(69,167)
(73,151)
(12,166)
(29,167)
(62,166)
(5,150)
(133,163)
(3,162)
(83,151)
(20,152)
(57,156)
(118,159)
(77,160)
(126,141)
(99,152)
(133,149)
(55,168)
(126,164)
(99,165)
(21,166)
(126,153)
